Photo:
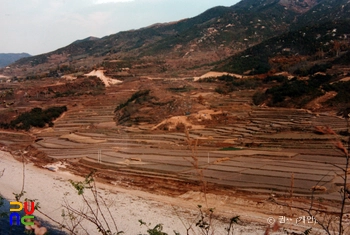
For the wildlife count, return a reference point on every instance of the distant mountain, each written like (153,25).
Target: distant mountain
(9,58)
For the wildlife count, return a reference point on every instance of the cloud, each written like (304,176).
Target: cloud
(110,1)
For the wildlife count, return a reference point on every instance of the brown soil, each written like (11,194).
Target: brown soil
(237,150)
(316,104)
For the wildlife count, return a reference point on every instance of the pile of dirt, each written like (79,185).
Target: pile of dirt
(82,139)
(196,120)
(107,81)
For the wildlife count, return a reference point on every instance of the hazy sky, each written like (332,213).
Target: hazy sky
(39,26)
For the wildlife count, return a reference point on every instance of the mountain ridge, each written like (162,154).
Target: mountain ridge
(211,36)
(90,38)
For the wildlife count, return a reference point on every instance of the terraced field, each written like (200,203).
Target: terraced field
(251,148)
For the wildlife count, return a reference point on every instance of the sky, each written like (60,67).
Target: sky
(40,26)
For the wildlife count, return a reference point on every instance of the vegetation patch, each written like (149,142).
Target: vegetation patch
(35,118)
(343,96)
(247,63)
(138,97)
(276,78)
(86,86)
(344,59)
(234,84)
(296,92)
(230,149)
(181,89)
(314,69)
(208,80)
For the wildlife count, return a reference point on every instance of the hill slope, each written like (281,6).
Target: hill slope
(324,11)
(292,50)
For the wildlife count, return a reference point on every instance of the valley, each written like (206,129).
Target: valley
(244,109)
(184,137)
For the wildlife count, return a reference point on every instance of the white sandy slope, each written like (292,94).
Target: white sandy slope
(216,74)
(127,206)
(3,76)
(173,121)
(106,80)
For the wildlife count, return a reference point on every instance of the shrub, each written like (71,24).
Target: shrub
(180,89)
(343,96)
(234,84)
(36,118)
(277,78)
(208,80)
(314,69)
(318,80)
(259,97)
(300,92)
(319,68)
(180,127)
(136,96)
(221,90)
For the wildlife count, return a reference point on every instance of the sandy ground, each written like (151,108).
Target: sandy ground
(82,139)
(173,121)
(3,76)
(127,206)
(69,77)
(216,74)
(200,115)
(346,79)
(106,80)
